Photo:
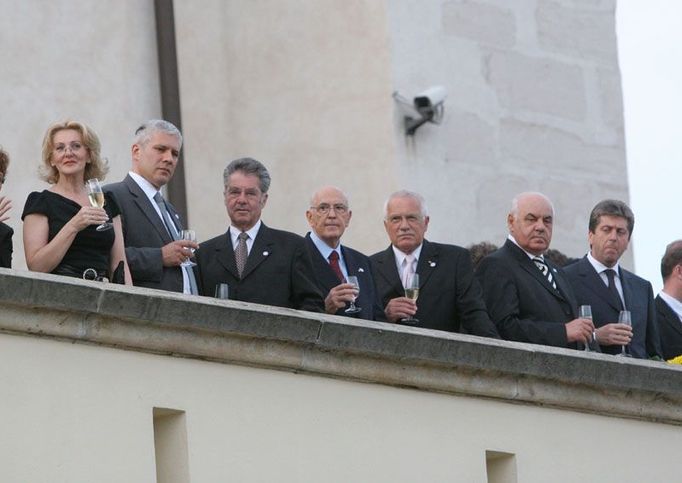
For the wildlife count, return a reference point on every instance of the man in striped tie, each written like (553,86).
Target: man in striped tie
(529,298)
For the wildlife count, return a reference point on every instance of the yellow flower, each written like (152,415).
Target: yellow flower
(676,360)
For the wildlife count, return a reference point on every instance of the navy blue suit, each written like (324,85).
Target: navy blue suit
(521,302)
(591,290)
(670,328)
(449,295)
(356,264)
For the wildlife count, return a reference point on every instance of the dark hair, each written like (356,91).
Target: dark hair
(478,251)
(671,258)
(4,161)
(558,258)
(612,208)
(249,166)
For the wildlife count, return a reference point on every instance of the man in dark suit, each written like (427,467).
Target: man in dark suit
(449,295)
(151,226)
(6,231)
(527,297)
(328,217)
(259,264)
(599,281)
(669,301)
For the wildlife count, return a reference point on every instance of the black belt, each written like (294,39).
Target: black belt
(87,274)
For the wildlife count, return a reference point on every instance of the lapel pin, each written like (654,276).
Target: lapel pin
(266,253)
(361,270)
(432,264)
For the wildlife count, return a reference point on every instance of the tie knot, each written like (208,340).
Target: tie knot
(610,274)
(158,197)
(333,255)
(243,236)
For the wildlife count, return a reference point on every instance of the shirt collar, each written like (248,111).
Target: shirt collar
(599,267)
(148,188)
(252,232)
(530,255)
(324,249)
(400,256)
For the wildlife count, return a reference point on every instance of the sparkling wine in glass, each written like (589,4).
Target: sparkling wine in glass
(412,293)
(191,236)
(353,309)
(96,197)
(624,318)
(585,312)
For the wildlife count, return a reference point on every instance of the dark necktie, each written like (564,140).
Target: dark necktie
(334,263)
(166,217)
(611,275)
(241,253)
(173,232)
(540,263)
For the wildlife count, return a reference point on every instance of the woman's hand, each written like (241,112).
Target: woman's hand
(87,216)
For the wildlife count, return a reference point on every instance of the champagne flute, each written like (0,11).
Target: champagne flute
(189,235)
(624,318)
(585,312)
(96,197)
(352,309)
(221,291)
(412,293)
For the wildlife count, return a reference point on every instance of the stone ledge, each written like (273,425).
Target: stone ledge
(249,334)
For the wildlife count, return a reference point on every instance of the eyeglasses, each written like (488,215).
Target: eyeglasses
(61,148)
(325,208)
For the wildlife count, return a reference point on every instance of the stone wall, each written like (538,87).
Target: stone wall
(108,383)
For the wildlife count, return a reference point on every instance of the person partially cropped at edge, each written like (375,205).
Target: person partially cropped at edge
(6,231)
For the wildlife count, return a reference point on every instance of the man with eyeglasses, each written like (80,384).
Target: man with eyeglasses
(328,217)
(6,231)
(258,263)
(450,298)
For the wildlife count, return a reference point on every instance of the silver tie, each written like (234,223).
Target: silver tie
(540,263)
(241,253)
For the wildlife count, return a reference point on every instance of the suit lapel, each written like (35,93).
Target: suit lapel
(428,261)
(529,266)
(145,206)
(262,248)
(225,255)
(323,271)
(386,267)
(669,318)
(625,283)
(594,281)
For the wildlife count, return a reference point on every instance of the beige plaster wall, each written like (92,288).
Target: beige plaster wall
(303,87)
(78,413)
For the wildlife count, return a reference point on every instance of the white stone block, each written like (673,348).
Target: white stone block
(535,84)
(481,22)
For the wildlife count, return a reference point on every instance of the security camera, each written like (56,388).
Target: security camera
(430,99)
(428,106)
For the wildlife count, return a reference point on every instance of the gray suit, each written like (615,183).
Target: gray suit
(144,234)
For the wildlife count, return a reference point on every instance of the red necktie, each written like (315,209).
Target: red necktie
(334,263)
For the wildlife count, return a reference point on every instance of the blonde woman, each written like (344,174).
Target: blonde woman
(60,234)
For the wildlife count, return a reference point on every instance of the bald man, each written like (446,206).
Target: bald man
(329,215)
(528,298)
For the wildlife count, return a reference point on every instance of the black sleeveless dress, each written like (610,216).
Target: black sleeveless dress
(90,248)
